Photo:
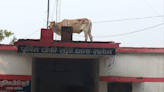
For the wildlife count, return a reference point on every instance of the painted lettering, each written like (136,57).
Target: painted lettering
(66,50)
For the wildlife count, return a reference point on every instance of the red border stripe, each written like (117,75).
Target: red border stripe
(15,77)
(121,49)
(130,79)
(154,79)
(145,50)
(68,44)
(102,78)
(8,47)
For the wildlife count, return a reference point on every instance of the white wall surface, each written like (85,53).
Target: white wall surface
(148,87)
(133,65)
(103,86)
(137,87)
(125,64)
(13,63)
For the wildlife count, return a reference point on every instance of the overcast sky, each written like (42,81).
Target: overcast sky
(24,17)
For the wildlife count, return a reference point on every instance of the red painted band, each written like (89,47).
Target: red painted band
(130,79)
(154,79)
(15,77)
(8,47)
(145,50)
(69,44)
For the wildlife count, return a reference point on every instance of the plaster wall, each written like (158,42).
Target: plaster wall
(148,87)
(13,63)
(133,65)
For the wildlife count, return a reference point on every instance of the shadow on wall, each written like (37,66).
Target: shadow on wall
(3,65)
(14,63)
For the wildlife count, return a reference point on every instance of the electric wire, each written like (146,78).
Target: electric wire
(122,19)
(128,32)
(129,19)
(53,12)
(50,15)
(34,32)
(150,7)
(111,65)
(108,21)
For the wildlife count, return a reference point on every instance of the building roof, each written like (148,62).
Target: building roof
(46,39)
(140,49)
(120,49)
(34,42)
(7,47)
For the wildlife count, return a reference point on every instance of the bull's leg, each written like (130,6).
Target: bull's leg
(86,36)
(90,36)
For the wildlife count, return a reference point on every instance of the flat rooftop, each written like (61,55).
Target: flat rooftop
(84,44)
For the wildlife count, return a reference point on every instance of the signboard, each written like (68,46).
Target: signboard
(15,85)
(66,50)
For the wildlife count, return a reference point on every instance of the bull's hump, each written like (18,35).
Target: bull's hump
(76,19)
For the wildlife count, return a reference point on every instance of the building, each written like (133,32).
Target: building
(28,67)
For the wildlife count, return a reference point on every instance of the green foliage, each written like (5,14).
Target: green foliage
(13,40)
(6,34)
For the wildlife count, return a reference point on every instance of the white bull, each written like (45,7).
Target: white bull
(78,25)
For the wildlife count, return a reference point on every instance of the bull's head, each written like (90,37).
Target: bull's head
(55,27)
(52,24)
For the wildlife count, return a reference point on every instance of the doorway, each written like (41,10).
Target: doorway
(119,87)
(65,75)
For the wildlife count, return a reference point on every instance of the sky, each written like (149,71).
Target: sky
(24,17)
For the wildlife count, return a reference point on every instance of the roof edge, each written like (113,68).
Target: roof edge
(120,49)
(7,47)
(140,50)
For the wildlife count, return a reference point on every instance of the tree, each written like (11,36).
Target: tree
(6,34)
